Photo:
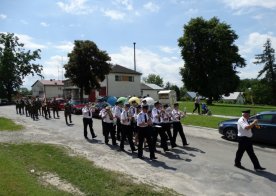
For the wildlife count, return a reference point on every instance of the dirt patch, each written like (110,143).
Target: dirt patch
(47,178)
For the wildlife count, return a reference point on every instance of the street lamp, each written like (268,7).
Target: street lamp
(134,56)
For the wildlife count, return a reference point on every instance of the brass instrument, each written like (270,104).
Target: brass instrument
(109,114)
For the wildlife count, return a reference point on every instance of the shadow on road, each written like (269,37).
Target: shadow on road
(265,174)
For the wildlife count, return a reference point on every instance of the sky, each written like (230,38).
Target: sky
(114,25)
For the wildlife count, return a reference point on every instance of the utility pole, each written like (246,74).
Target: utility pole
(134,57)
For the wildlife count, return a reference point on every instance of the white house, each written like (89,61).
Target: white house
(48,88)
(235,97)
(120,81)
(150,90)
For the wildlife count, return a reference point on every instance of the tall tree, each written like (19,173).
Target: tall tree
(87,66)
(154,79)
(210,57)
(268,59)
(15,64)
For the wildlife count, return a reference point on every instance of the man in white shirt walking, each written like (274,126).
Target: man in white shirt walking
(245,142)
(87,120)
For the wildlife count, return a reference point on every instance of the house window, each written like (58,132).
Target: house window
(124,78)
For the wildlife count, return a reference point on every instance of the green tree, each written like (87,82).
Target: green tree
(15,64)
(25,92)
(268,59)
(87,66)
(210,57)
(154,79)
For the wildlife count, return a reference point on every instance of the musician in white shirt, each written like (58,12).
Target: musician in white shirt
(117,114)
(177,126)
(108,126)
(166,115)
(144,124)
(87,111)
(126,128)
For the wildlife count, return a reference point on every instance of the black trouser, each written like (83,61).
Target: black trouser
(119,129)
(163,136)
(88,122)
(109,128)
(177,128)
(245,144)
(55,111)
(127,133)
(167,129)
(197,107)
(66,115)
(144,132)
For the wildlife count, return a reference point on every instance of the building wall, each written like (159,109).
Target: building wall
(38,89)
(122,88)
(53,91)
(152,93)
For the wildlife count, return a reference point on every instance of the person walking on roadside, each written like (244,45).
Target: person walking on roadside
(197,104)
(87,111)
(177,126)
(55,107)
(245,142)
(67,111)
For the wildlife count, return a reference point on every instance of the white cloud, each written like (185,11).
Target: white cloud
(148,62)
(28,42)
(77,7)
(114,14)
(167,49)
(237,4)
(126,3)
(44,24)
(65,46)
(255,41)
(151,7)
(3,16)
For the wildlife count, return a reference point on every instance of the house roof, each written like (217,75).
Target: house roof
(121,69)
(148,86)
(232,96)
(50,82)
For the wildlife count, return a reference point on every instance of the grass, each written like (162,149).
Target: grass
(9,125)
(202,120)
(228,109)
(17,160)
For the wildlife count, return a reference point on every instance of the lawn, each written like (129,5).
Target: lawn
(18,160)
(9,125)
(228,109)
(202,121)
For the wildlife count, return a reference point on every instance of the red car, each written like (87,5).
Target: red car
(61,103)
(77,106)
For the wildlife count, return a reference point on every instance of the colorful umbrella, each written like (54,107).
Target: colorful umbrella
(122,99)
(136,99)
(111,100)
(150,101)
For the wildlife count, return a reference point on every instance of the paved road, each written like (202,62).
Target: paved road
(203,168)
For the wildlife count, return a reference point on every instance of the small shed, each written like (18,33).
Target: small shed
(235,97)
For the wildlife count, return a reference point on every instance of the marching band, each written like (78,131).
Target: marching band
(138,123)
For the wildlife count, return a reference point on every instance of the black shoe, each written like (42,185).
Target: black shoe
(186,144)
(115,144)
(141,157)
(166,150)
(260,169)
(153,158)
(174,145)
(94,136)
(239,166)
(135,149)
(121,149)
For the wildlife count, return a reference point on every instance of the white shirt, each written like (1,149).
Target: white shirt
(105,116)
(87,112)
(156,117)
(165,117)
(141,118)
(132,111)
(177,115)
(117,112)
(242,123)
(125,118)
